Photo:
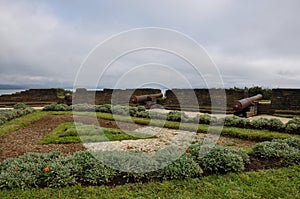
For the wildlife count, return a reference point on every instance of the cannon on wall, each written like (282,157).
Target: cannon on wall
(147,100)
(247,107)
(68,99)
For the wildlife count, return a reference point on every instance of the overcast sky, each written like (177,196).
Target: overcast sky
(251,42)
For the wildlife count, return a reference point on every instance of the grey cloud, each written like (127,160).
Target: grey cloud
(252,42)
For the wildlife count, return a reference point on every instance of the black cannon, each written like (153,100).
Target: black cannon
(247,106)
(68,99)
(147,100)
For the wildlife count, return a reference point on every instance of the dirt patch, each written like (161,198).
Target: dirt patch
(26,140)
(258,164)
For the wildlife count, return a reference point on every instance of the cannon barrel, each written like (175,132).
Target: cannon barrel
(240,105)
(142,98)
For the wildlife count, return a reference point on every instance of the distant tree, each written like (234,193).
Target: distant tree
(266,92)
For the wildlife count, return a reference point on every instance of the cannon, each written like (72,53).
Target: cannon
(147,100)
(247,106)
(68,99)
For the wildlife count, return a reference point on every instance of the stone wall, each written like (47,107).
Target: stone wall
(31,97)
(110,96)
(285,101)
(185,99)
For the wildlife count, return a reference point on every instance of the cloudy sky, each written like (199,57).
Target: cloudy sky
(55,42)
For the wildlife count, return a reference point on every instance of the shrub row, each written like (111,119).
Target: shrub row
(19,110)
(292,127)
(57,170)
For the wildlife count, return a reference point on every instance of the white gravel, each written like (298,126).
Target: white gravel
(164,137)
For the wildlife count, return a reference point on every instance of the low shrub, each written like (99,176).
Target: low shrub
(52,170)
(293,126)
(220,159)
(260,124)
(20,106)
(236,121)
(184,167)
(276,125)
(18,111)
(106,108)
(286,150)
(120,110)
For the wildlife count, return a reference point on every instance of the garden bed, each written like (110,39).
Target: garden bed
(26,139)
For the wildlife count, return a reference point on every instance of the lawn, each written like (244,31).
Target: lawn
(281,183)
(70,132)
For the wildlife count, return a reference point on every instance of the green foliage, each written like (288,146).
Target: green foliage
(20,106)
(293,126)
(222,160)
(276,125)
(236,121)
(52,170)
(292,142)
(106,108)
(266,93)
(271,183)
(184,167)
(287,150)
(261,123)
(176,116)
(19,110)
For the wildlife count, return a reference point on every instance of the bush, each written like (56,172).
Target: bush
(120,110)
(205,119)
(276,125)
(292,142)
(221,159)
(18,111)
(184,167)
(293,126)
(175,116)
(261,123)
(157,115)
(106,108)
(286,150)
(20,106)
(52,170)
(236,121)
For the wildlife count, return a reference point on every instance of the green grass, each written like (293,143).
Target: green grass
(21,122)
(281,183)
(74,133)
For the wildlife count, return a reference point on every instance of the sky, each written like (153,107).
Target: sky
(59,43)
